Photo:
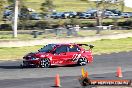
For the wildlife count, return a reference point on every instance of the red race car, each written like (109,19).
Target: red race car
(60,55)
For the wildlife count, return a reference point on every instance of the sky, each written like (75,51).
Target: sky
(128,3)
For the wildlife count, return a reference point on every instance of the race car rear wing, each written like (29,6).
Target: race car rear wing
(91,46)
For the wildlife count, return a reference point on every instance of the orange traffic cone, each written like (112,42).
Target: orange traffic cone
(119,72)
(83,72)
(57,81)
(86,74)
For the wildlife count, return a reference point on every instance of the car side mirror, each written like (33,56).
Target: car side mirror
(91,46)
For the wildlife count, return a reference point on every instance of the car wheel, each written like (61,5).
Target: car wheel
(82,61)
(45,63)
(21,66)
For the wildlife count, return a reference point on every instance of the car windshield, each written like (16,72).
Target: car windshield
(47,48)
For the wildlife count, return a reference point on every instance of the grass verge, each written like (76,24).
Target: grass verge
(102,46)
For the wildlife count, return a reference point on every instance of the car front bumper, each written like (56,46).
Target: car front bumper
(28,63)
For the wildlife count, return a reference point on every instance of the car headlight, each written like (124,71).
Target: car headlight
(34,58)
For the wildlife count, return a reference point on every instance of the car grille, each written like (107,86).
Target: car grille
(28,57)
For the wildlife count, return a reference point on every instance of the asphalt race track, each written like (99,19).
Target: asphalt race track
(103,67)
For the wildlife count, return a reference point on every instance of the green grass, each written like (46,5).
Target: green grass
(66,5)
(102,46)
(108,46)
(16,52)
(61,5)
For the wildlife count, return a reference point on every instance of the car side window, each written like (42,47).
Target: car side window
(73,48)
(61,49)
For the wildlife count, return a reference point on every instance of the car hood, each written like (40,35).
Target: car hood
(36,54)
(31,54)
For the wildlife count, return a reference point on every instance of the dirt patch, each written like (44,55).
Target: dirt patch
(62,40)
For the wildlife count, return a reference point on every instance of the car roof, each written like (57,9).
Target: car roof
(58,44)
(63,44)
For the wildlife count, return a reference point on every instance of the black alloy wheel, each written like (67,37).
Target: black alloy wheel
(45,63)
(82,61)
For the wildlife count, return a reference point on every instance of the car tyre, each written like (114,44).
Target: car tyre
(21,66)
(45,63)
(82,61)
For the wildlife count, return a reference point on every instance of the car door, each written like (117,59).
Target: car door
(60,55)
(73,52)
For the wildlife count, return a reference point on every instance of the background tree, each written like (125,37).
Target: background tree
(24,16)
(121,4)
(2,2)
(102,5)
(17,4)
(47,7)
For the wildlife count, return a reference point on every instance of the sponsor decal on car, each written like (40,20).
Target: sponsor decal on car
(76,57)
(57,62)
